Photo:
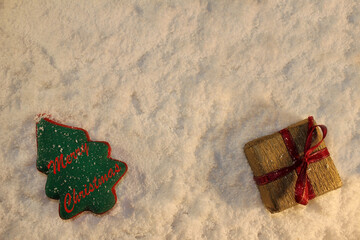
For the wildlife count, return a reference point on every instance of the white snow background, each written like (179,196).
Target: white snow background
(177,88)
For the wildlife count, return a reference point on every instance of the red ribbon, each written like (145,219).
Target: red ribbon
(303,188)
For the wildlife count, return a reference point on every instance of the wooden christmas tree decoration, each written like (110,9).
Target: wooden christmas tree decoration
(80,172)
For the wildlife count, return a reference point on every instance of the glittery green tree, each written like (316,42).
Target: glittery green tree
(80,172)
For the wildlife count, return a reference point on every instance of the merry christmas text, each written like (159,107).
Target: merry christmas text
(59,161)
(71,201)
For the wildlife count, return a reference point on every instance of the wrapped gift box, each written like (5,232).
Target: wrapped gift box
(270,153)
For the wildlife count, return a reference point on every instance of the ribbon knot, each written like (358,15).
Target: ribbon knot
(303,188)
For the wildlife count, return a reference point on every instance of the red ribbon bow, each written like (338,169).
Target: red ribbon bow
(303,188)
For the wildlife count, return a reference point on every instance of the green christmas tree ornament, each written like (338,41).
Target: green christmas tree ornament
(81,173)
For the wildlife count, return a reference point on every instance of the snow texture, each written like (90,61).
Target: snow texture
(177,88)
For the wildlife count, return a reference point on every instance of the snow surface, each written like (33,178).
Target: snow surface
(177,88)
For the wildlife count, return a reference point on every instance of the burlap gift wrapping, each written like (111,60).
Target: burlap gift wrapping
(269,153)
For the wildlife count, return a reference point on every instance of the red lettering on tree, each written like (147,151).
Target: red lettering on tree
(117,168)
(77,197)
(111,173)
(65,205)
(91,187)
(96,186)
